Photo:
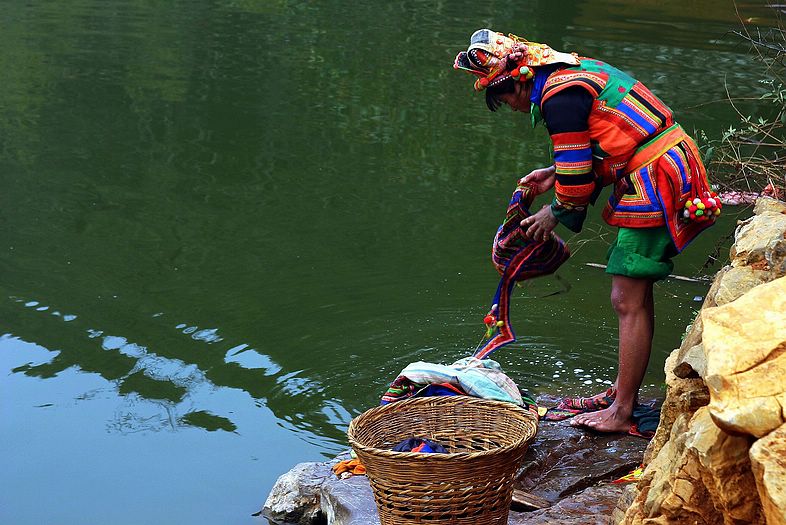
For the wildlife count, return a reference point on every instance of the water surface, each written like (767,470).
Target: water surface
(226,225)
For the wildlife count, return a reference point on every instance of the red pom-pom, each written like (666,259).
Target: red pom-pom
(692,209)
(516,73)
(488,319)
(484,82)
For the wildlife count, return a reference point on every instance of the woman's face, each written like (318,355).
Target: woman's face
(519,99)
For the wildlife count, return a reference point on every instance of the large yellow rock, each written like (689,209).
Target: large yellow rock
(768,205)
(738,281)
(683,397)
(745,346)
(701,475)
(768,461)
(754,235)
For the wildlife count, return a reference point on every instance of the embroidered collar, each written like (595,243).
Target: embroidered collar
(538,82)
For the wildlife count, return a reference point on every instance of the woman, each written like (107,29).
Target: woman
(606,128)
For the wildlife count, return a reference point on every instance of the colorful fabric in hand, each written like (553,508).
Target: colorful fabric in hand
(478,378)
(518,258)
(426,446)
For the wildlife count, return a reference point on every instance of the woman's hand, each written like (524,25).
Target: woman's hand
(538,227)
(543,179)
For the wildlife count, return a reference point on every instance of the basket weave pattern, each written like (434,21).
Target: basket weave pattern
(471,485)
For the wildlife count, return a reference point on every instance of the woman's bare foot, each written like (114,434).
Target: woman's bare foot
(612,419)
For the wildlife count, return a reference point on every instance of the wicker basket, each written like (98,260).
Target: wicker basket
(471,485)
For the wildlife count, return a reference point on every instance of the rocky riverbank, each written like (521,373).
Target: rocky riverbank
(719,454)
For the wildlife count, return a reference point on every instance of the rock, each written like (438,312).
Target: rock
(683,397)
(709,300)
(701,475)
(775,255)
(592,506)
(745,345)
(738,281)
(725,468)
(768,461)
(754,234)
(295,497)
(696,465)
(693,361)
(564,460)
(629,493)
(348,501)
(768,205)
(730,284)
(351,502)
(524,501)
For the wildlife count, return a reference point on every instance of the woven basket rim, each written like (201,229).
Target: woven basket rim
(450,456)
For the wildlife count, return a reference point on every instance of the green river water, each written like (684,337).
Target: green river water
(227,225)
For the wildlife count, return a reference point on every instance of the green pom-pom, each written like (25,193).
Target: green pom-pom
(699,213)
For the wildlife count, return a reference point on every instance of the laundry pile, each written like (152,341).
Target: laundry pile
(469,376)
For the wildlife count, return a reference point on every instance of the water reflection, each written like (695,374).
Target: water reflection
(162,393)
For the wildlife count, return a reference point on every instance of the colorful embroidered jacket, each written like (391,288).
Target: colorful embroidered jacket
(598,117)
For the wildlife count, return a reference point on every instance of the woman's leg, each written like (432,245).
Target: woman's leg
(633,302)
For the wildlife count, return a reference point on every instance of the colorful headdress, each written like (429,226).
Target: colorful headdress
(517,258)
(487,58)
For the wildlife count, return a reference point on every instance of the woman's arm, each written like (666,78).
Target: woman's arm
(566,115)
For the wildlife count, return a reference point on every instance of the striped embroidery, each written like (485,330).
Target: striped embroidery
(565,79)
(625,117)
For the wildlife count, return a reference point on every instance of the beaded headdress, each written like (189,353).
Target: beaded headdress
(487,58)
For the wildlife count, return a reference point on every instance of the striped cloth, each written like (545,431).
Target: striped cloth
(518,258)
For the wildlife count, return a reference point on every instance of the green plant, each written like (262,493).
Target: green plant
(751,154)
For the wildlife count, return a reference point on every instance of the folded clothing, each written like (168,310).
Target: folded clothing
(476,377)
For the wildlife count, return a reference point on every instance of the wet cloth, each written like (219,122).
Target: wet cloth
(645,421)
(482,378)
(641,253)
(518,258)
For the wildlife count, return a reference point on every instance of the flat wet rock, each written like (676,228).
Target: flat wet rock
(568,467)
(591,506)
(564,460)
